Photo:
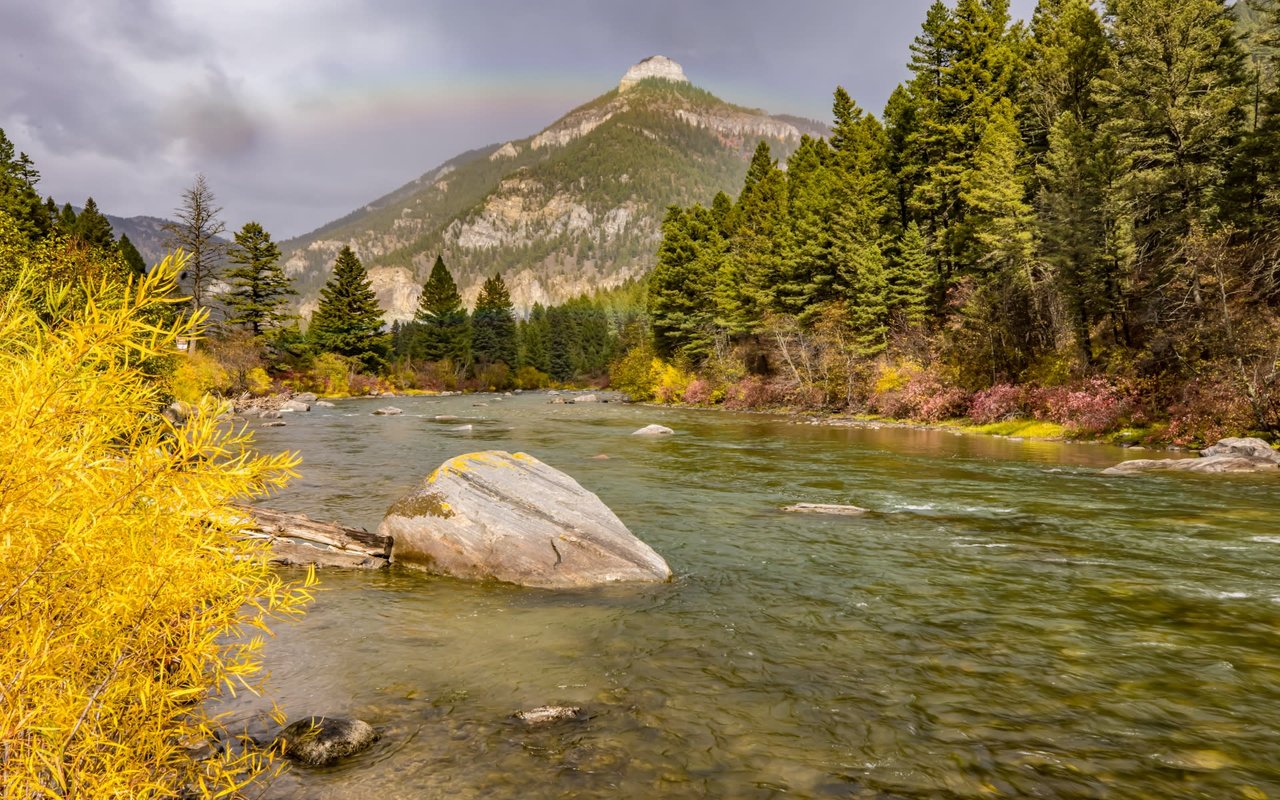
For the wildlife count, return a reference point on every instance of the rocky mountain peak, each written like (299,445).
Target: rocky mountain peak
(653,67)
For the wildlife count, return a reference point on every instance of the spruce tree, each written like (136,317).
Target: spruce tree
(753,265)
(535,340)
(679,297)
(561,344)
(18,196)
(808,279)
(493,325)
(132,258)
(259,289)
(1174,102)
(910,279)
(444,330)
(348,320)
(92,229)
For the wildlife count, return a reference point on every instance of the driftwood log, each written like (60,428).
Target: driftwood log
(298,541)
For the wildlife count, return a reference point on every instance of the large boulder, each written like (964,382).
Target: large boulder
(1248,448)
(1204,464)
(320,741)
(653,430)
(510,517)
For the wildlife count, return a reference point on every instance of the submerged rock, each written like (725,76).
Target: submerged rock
(825,508)
(544,715)
(273,424)
(320,741)
(323,404)
(389,411)
(495,515)
(653,430)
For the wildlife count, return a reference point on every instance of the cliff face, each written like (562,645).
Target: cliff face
(574,208)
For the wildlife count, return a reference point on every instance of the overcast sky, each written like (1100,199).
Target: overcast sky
(299,111)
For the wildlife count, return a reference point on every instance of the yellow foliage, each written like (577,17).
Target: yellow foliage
(125,598)
(331,375)
(669,381)
(196,374)
(894,377)
(257,381)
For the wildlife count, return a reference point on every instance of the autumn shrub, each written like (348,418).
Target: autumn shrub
(126,595)
(528,377)
(636,373)
(1087,408)
(1206,411)
(493,377)
(754,392)
(699,393)
(671,383)
(999,403)
(197,373)
(330,374)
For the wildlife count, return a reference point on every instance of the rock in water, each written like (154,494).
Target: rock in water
(586,398)
(1248,448)
(294,406)
(512,518)
(825,508)
(1204,464)
(320,741)
(389,411)
(653,430)
(545,715)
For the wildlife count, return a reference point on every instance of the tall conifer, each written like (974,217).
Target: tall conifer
(349,320)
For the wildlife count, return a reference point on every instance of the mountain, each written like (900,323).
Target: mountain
(574,208)
(148,234)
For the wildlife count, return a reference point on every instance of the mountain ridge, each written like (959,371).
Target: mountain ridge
(572,208)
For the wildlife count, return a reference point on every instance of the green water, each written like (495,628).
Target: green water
(1008,622)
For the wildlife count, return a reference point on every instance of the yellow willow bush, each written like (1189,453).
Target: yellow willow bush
(125,594)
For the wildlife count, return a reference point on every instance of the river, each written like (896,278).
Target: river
(1006,622)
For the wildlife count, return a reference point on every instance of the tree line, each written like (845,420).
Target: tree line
(1092,193)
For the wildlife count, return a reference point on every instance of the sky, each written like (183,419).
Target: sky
(300,111)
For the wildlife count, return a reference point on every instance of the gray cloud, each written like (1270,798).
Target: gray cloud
(299,111)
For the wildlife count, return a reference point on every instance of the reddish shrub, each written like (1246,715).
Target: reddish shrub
(1090,408)
(754,393)
(924,398)
(1207,412)
(999,403)
(698,392)
(361,384)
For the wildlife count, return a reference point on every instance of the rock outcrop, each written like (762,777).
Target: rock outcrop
(653,67)
(510,517)
(825,508)
(320,741)
(1228,455)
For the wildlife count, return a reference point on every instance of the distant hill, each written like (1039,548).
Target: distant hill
(575,208)
(146,233)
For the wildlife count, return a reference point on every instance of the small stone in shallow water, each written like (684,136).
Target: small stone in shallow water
(544,715)
(653,430)
(389,411)
(600,457)
(320,741)
(273,424)
(825,508)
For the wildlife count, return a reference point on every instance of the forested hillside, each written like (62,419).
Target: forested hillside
(1074,219)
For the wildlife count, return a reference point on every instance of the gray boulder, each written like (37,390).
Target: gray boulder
(495,515)
(1249,448)
(294,406)
(269,414)
(323,404)
(545,715)
(653,430)
(586,398)
(306,397)
(320,741)
(1204,464)
(389,411)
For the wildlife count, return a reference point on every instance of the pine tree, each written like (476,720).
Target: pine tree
(91,228)
(1068,51)
(196,229)
(535,340)
(679,297)
(66,220)
(18,196)
(131,257)
(1001,220)
(444,330)
(561,344)
(754,262)
(349,321)
(910,279)
(493,325)
(808,279)
(259,289)
(1174,102)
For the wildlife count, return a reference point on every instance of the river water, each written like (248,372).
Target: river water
(1006,622)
